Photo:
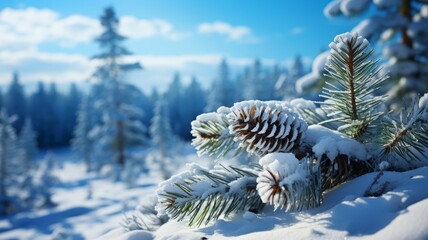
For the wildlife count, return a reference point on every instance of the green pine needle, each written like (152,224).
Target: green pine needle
(350,102)
(212,137)
(218,198)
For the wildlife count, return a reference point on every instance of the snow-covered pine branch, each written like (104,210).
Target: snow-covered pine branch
(211,135)
(201,195)
(351,102)
(404,139)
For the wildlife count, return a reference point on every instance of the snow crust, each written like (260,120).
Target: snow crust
(333,143)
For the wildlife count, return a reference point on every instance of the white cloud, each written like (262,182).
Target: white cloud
(133,27)
(297,31)
(29,27)
(234,33)
(26,28)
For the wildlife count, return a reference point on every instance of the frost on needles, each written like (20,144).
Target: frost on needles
(304,148)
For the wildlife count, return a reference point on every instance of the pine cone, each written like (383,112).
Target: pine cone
(266,127)
(286,183)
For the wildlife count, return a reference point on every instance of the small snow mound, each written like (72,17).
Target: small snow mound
(333,143)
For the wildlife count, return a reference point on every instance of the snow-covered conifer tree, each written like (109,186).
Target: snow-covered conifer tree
(176,107)
(28,144)
(82,143)
(253,82)
(221,93)
(7,151)
(16,102)
(296,71)
(162,138)
(401,28)
(121,124)
(43,182)
(39,114)
(195,101)
(72,103)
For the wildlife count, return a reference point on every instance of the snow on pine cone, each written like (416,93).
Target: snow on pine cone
(266,127)
(277,181)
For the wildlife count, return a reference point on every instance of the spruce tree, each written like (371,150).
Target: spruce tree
(195,101)
(297,70)
(301,153)
(221,92)
(400,29)
(121,124)
(162,138)
(175,103)
(16,102)
(7,151)
(72,102)
(28,144)
(82,143)
(39,115)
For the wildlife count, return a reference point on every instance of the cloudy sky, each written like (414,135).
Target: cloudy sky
(52,41)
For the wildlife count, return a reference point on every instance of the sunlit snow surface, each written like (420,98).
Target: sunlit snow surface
(399,213)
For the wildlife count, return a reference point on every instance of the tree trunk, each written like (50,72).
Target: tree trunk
(405,10)
(120,143)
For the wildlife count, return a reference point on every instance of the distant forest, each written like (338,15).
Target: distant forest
(53,113)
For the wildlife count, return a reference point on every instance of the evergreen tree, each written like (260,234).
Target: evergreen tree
(221,92)
(56,119)
(297,70)
(28,144)
(43,182)
(82,143)
(195,102)
(162,138)
(71,107)
(16,102)
(121,124)
(7,151)
(147,106)
(400,29)
(39,114)
(176,108)
(252,85)
(240,82)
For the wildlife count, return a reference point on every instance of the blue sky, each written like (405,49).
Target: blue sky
(49,40)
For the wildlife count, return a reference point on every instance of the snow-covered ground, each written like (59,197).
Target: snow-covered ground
(399,213)
(90,206)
